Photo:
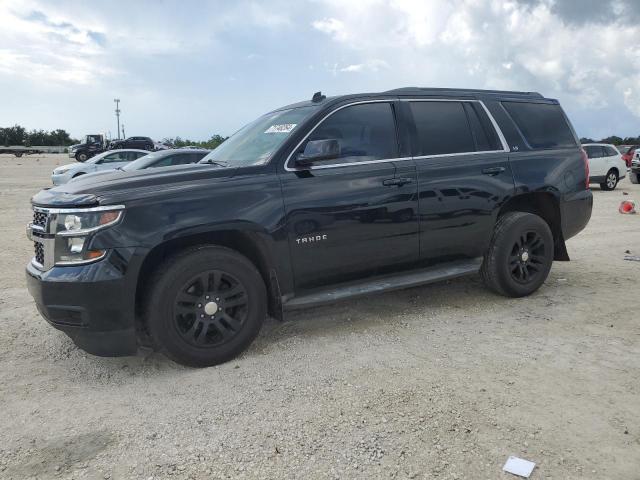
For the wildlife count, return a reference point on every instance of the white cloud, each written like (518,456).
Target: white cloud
(370,65)
(332,27)
(492,44)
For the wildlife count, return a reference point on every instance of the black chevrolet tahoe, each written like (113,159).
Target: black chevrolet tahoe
(309,204)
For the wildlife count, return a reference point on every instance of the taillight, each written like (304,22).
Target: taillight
(585,159)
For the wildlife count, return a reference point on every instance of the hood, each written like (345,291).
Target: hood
(119,186)
(66,166)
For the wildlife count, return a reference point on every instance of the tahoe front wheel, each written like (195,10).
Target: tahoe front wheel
(206,306)
(520,255)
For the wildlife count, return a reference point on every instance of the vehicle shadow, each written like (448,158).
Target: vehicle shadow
(377,314)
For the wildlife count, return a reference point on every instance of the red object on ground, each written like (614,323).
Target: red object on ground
(627,206)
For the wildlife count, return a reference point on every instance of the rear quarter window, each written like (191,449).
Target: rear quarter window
(543,125)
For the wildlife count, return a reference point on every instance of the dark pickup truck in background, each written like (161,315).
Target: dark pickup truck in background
(311,203)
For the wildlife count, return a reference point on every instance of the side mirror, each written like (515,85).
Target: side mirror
(319,150)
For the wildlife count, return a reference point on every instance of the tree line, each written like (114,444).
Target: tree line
(614,140)
(210,144)
(18,135)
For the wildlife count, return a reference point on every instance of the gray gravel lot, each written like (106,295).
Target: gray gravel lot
(442,381)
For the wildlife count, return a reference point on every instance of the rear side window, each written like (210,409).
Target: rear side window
(610,151)
(593,151)
(453,127)
(364,132)
(482,130)
(543,125)
(442,128)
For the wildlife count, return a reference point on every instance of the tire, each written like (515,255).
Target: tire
(634,177)
(81,157)
(206,305)
(506,269)
(611,181)
(18,154)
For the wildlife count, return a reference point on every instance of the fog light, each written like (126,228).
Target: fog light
(76,244)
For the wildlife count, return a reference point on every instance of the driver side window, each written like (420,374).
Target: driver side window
(364,132)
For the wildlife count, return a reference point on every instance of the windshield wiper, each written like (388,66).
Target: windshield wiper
(220,163)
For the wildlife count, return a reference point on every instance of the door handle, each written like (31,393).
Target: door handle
(493,170)
(390,182)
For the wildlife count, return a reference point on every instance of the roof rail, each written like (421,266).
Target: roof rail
(436,91)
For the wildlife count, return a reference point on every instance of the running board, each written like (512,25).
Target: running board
(384,283)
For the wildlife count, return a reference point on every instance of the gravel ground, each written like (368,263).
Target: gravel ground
(440,381)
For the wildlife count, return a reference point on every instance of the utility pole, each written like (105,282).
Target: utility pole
(123,135)
(117,101)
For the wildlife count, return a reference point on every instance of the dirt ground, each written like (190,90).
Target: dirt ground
(442,381)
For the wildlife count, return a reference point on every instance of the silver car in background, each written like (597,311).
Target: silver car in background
(162,158)
(109,160)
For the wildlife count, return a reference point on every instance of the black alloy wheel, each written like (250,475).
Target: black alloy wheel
(527,257)
(519,256)
(205,305)
(210,309)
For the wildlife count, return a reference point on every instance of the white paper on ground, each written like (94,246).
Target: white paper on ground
(518,466)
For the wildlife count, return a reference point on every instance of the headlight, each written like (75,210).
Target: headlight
(73,230)
(60,171)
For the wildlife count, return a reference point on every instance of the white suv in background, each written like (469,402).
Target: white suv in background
(606,166)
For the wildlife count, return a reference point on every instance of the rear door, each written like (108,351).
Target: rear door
(356,215)
(464,175)
(597,160)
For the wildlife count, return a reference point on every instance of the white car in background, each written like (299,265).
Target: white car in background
(109,160)
(606,166)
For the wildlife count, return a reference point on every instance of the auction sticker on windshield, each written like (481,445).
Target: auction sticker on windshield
(281,128)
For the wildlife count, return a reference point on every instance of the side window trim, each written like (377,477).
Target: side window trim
(501,137)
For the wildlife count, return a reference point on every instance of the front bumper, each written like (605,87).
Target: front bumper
(93,304)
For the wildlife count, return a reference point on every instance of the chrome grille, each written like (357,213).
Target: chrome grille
(39,252)
(40,219)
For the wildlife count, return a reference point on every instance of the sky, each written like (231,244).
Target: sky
(193,68)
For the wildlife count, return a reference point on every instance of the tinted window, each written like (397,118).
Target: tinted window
(593,151)
(482,130)
(442,127)
(177,159)
(364,132)
(543,125)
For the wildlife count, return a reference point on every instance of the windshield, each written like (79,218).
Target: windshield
(254,143)
(143,161)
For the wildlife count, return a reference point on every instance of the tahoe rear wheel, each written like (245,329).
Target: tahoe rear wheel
(520,255)
(207,305)
(610,181)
